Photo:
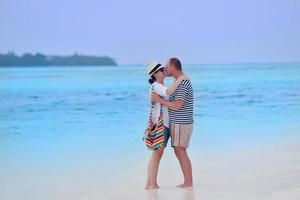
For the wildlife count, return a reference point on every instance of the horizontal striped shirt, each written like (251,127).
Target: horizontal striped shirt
(185,115)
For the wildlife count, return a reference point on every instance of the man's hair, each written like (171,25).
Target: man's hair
(176,62)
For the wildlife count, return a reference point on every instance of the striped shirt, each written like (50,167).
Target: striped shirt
(185,114)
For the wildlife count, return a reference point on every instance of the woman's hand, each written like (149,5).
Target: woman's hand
(175,85)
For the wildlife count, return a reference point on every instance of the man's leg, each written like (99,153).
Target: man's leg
(186,166)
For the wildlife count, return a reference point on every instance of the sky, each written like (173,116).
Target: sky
(136,31)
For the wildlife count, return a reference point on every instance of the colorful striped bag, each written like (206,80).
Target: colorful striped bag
(154,135)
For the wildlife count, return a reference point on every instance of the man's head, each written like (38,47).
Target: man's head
(173,67)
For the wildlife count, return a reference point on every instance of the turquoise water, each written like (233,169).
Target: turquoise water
(55,115)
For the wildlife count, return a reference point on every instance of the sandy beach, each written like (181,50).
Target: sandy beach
(270,172)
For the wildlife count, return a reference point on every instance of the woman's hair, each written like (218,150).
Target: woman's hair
(152,78)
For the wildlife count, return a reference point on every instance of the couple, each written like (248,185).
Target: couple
(177,109)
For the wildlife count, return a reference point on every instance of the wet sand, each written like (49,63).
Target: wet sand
(269,172)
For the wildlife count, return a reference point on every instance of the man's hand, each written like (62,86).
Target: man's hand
(175,105)
(155,97)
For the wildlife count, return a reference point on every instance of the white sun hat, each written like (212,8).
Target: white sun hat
(153,67)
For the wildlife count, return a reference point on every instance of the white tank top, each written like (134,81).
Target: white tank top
(161,90)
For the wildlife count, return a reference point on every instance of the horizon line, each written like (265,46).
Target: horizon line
(135,64)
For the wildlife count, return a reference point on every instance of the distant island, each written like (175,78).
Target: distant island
(39,59)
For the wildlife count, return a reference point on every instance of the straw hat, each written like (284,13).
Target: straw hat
(153,67)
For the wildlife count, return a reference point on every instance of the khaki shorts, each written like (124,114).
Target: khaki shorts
(181,134)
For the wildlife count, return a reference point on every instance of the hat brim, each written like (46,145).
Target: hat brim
(160,67)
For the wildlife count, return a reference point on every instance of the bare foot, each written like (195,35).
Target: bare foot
(151,187)
(185,185)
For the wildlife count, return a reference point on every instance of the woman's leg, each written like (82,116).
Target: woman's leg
(153,169)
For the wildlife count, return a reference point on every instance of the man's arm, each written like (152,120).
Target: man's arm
(175,105)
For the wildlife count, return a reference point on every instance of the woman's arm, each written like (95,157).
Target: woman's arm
(175,85)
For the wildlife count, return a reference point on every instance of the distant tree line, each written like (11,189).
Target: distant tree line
(38,59)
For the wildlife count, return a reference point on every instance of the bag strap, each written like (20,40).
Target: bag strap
(153,105)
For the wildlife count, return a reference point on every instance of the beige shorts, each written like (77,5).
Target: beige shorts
(181,134)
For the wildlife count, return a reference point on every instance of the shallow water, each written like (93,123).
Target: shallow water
(58,117)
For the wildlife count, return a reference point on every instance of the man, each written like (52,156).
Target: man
(181,118)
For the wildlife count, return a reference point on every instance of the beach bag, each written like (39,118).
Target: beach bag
(154,134)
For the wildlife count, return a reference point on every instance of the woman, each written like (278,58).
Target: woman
(156,72)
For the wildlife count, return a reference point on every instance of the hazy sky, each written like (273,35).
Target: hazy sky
(136,31)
